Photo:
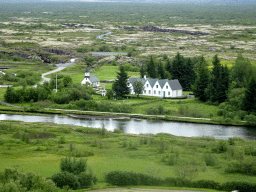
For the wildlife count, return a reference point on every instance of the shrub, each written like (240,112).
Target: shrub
(221,147)
(241,186)
(72,165)
(86,180)
(210,159)
(250,119)
(177,182)
(13,181)
(124,178)
(207,184)
(65,178)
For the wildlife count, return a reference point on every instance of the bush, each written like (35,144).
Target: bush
(157,110)
(210,159)
(124,178)
(221,147)
(12,180)
(65,178)
(72,165)
(250,119)
(241,186)
(207,184)
(86,180)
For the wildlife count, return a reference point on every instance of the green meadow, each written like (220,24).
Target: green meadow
(38,147)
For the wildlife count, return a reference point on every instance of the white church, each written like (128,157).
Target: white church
(163,88)
(92,80)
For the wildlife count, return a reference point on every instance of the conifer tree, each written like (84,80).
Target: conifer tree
(189,75)
(201,82)
(120,87)
(218,83)
(169,66)
(142,71)
(249,102)
(151,68)
(161,71)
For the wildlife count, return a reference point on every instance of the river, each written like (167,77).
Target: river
(138,126)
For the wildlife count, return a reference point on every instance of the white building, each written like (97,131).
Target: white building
(158,87)
(90,79)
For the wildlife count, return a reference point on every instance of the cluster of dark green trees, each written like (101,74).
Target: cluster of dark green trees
(235,86)
(178,68)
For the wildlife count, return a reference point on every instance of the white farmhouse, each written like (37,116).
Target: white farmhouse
(158,87)
(90,79)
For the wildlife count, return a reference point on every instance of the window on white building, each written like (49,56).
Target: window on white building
(149,92)
(154,92)
(169,93)
(144,91)
(156,86)
(166,86)
(147,85)
(159,92)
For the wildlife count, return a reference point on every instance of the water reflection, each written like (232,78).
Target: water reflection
(136,126)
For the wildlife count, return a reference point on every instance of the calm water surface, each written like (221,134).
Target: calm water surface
(137,126)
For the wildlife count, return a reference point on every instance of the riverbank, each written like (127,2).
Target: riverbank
(79,114)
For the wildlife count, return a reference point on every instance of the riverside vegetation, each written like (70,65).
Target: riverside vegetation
(75,157)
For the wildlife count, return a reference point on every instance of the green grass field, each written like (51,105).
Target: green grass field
(113,151)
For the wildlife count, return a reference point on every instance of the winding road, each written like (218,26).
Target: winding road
(59,66)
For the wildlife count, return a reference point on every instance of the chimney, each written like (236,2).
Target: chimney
(144,77)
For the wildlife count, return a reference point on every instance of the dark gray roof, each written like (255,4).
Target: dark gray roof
(94,78)
(162,82)
(174,84)
(152,82)
(132,80)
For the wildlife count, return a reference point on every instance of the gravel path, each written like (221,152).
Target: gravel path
(60,67)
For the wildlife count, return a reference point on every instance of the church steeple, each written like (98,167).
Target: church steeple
(87,73)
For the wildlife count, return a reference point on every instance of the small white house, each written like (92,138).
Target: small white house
(90,79)
(158,87)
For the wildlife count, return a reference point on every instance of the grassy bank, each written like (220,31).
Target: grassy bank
(38,147)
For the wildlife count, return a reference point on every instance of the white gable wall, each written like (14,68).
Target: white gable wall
(157,90)
(86,80)
(167,90)
(147,89)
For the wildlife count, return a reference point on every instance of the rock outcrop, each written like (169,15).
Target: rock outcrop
(157,29)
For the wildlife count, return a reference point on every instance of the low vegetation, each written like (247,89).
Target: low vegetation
(59,152)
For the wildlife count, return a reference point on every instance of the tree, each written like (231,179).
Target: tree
(201,82)
(241,71)
(169,66)
(9,95)
(151,68)
(218,82)
(120,86)
(67,80)
(142,71)
(249,101)
(161,70)
(178,67)
(189,74)
(138,87)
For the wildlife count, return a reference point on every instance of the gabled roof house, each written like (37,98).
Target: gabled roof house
(158,87)
(90,79)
